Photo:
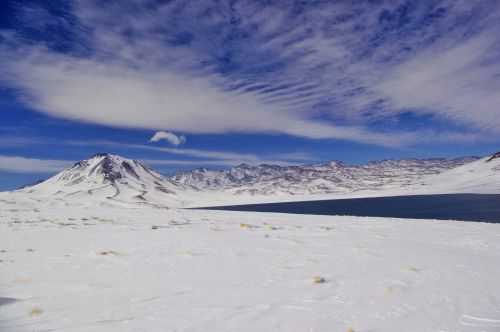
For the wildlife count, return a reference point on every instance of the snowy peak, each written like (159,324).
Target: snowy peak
(107,168)
(109,178)
(494,156)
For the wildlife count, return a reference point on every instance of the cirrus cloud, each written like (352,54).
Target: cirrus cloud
(17,164)
(320,70)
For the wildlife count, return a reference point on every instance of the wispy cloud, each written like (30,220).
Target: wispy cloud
(19,164)
(459,83)
(11,141)
(16,164)
(207,157)
(318,70)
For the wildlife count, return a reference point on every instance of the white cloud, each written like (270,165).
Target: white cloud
(16,164)
(169,137)
(116,95)
(335,68)
(455,83)
(207,156)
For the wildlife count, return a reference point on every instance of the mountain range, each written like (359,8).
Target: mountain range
(327,178)
(109,179)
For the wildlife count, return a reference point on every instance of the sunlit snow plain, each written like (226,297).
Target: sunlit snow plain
(95,256)
(117,269)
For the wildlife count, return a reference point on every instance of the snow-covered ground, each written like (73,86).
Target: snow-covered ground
(146,269)
(103,246)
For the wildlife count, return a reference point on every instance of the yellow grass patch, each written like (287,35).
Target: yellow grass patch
(413,269)
(318,280)
(272,228)
(36,312)
(247,226)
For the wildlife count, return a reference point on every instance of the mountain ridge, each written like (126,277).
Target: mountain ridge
(107,178)
(238,178)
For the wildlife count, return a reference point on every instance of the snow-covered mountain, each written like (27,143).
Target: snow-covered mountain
(333,177)
(108,178)
(480,176)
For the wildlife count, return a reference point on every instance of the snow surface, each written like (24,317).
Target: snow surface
(481,176)
(103,246)
(146,269)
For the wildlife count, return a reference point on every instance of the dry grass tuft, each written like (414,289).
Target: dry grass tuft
(319,280)
(413,269)
(247,226)
(36,312)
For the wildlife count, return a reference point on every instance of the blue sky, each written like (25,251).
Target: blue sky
(218,83)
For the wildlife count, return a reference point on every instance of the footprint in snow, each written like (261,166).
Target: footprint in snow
(109,253)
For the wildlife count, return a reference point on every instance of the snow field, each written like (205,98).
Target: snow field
(111,269)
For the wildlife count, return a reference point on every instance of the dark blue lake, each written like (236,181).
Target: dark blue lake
(466,207)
